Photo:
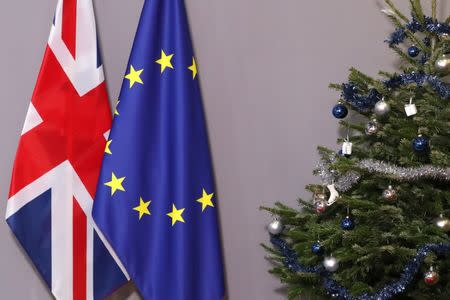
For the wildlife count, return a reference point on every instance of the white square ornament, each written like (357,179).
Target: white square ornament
(347,148)
(410,109)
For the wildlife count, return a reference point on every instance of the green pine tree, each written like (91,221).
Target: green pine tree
(388,231)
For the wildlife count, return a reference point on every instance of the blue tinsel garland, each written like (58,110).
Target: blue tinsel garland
(335,290)
(362,103)
(432,26)
(365,103)
(420,78)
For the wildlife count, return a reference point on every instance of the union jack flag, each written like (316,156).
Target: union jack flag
(58,162)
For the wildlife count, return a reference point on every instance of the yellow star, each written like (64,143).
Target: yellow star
(134,76)
(193,68)
(205,200)
(116,112)
(165,61)
(176,215)
(115,183)
(142,208)
(107,149)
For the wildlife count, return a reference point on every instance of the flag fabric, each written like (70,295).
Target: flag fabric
(156,200)
(58,162)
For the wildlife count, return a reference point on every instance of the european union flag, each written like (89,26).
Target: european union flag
(156,201)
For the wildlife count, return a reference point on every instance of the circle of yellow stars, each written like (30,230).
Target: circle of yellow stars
(116,183)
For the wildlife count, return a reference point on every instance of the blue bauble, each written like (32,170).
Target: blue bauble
(340,111)
(420,144)
(347,223)
(317,248)
(413,51)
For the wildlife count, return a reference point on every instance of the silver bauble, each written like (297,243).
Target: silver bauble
(331,264)
(275,227)
(443,223)
(442,64)
(372,127)
(382,108)
(390,194)
(321,206)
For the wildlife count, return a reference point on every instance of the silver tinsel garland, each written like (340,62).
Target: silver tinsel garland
(330,176)
(346,181)
(405,174)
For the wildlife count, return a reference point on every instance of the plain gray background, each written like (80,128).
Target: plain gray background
(265,66)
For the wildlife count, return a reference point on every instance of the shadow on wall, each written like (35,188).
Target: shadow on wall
(125,292)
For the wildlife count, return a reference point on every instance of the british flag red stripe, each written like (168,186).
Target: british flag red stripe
(69,25)
(58,162)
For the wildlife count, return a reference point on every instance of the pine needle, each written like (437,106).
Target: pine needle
(396,11)
(416,7)
(433,9)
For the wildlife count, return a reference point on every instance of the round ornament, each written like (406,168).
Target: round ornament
(331,264)
(382,108)
(413,51)
(431,277)
(347,223)
(390,194)
(317,248)
(321,206)
(372,128)
(442,64)
(420,144)
(443,223)
(275,227)
(340,111)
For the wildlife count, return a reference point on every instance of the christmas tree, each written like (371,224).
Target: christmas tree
(377,227)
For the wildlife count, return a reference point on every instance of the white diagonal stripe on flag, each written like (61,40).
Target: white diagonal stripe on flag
(82,71)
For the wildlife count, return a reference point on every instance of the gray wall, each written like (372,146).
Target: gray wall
(265,67)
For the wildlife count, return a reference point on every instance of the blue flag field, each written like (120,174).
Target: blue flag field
(156,200)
